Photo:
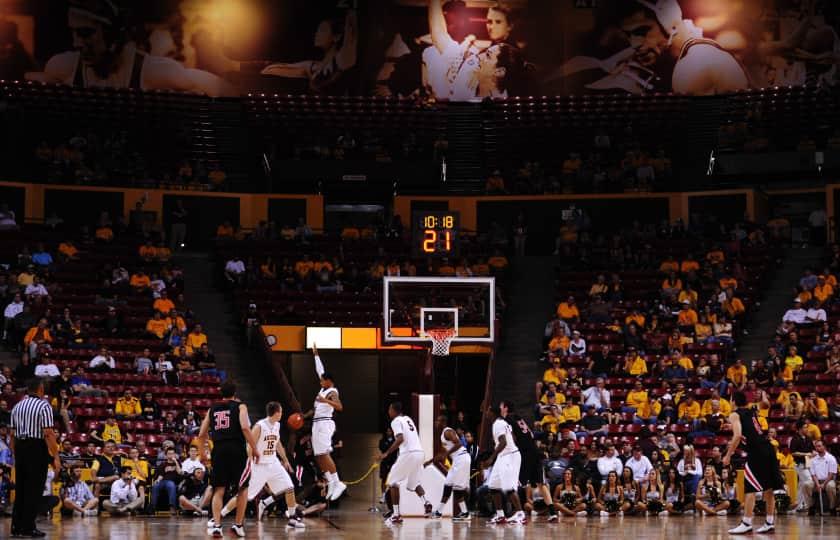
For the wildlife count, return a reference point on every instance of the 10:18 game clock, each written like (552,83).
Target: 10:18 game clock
(435,234)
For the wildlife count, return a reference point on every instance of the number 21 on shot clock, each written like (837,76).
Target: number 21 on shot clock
(435,234)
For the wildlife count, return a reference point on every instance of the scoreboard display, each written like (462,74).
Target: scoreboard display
(435,234)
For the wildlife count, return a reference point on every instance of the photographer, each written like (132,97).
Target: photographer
(124,497)
(77,498)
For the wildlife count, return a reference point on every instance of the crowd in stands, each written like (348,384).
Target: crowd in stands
(88,159)
(599,169)
(793,119)
(632,409)
(295,276)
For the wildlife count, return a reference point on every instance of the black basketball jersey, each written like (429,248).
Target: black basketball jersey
(224,422)
(522,434)
(751,433)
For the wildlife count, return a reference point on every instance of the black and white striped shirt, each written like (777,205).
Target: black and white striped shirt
(30,416)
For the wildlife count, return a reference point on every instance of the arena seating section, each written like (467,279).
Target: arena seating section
(77,284)
(359,303)
(311,139)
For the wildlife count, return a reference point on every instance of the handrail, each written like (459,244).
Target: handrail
(483,429)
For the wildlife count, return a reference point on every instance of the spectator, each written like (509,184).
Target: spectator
(37,338)
(167,479)
(124,497)
(597,396)
(128,407)
(77,496)
(568,311)
(609,462)
(47,369)
(143,363)
(194,492)
(41,256)
(192,462)
(163,304)
(823,469)
(593,424)
(495,184)
(140,470)
(640,465)
(195,339)
(9,313)
(112,323)
(816,407)
(103,361)
(206,362)
(82,385)
(105,469)
(157,326)
(796,315)
(166,370)
(150,410)
(577,346)
(140,282)
(690,469)
(235,271)
(109,430)
(35,289)
(188,419)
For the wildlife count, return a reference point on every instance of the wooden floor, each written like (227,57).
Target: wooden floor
(363,525)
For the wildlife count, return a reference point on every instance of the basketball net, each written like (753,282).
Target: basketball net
(441,339)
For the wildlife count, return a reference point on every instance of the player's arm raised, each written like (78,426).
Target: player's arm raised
(319,366)
(735,421)
(203,433)
(245,423)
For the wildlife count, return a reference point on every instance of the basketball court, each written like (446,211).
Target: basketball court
(354,521)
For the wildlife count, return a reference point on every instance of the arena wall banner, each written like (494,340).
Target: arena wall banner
(443,49)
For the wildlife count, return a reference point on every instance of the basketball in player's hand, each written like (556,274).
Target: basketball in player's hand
(295,421)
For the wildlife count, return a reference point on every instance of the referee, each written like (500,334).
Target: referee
(34,437)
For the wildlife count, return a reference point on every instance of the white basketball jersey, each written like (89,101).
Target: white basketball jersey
(448,445)
(268,441)
(322,410)
(501,427)
(403,425)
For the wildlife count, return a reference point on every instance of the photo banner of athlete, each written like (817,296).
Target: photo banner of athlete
(441,49)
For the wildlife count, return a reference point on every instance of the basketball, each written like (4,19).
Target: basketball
(295,421)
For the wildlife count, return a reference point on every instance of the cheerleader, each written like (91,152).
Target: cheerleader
(590,499)
(631,492)
(611,497)
(710,494)
(728,482)
(567,498)
(652,496)
(674,493)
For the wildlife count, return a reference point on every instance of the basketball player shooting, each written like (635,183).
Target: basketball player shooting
(273,469)
(409,464)
(761,472)
(323,428)
(228,425)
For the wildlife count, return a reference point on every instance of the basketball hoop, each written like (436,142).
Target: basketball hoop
(441,339)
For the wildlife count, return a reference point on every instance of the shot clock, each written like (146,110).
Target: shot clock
(435,234)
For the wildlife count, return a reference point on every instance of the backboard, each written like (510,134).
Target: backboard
(412,306)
